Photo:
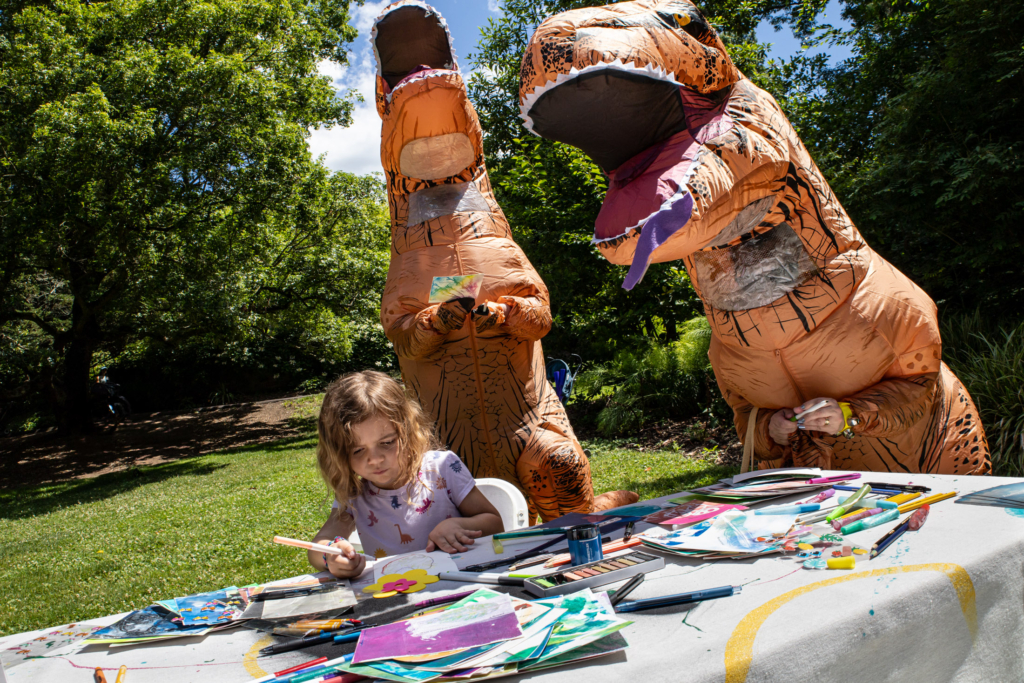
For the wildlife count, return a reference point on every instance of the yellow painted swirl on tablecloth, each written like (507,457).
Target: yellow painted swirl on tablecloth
(249,660)
(739,651)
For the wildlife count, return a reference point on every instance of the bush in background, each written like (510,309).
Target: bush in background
(655,381)
(989,360)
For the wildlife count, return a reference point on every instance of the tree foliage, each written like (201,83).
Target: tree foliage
(157,188)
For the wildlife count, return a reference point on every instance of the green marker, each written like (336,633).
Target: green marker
(869,522)
(848,503)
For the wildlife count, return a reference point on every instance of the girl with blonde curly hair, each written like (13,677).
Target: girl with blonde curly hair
(391,481)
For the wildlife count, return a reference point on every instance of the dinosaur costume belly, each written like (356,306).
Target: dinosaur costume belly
(704,167)
(483,381)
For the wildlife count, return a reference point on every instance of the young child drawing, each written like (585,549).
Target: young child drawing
(378,453)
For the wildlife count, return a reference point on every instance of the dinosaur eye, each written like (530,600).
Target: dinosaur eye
(682,19)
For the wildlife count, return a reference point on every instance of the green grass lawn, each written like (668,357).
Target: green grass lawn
(91,547)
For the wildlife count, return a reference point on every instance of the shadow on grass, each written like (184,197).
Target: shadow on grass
(683,481)
(41,500)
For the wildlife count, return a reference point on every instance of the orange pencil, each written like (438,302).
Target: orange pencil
(98,677)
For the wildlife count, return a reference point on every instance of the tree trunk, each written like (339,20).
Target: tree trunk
(76,414)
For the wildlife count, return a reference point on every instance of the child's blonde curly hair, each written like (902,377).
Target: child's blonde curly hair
(358,397)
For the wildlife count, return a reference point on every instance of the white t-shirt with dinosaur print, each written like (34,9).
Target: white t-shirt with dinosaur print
(392,522)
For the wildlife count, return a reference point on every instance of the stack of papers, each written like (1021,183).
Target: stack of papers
(1005,496)
(731,534)
(763,485)
(688,513)
(488,635)
(197,615)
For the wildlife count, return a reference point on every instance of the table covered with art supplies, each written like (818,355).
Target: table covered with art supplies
(796,575)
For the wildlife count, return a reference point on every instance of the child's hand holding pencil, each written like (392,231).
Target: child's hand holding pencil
(346,565)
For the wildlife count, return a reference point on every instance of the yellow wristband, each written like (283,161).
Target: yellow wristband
(847,414)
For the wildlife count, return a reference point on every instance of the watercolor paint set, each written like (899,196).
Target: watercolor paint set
(591,574)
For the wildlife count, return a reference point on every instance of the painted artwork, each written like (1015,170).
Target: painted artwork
(151,622)
(689,512)
(432,563)
(587,618)
(478,623)
(46,642)
(731,531)
(447,287)
(210,608)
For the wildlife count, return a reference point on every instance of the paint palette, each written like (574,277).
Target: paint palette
(608,570)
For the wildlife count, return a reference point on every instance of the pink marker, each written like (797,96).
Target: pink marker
(838,524)
(824,495)
(836,478)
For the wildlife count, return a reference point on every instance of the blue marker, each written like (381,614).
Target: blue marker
(789,509)
(678,599)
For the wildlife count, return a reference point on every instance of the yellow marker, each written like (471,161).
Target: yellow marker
(938,497)
(122,674)
(842,562)
(498,547)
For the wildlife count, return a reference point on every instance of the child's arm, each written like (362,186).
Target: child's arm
(339,525)
(479,518)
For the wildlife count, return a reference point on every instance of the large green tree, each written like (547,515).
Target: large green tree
(153,166)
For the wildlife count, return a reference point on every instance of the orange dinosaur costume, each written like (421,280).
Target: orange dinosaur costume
(481,375)
(703,166)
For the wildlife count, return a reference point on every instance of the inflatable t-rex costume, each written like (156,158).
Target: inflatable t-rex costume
(481,375)
(703,166)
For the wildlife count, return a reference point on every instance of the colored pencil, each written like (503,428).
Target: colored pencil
(887,540)
(309,546)
(926,501)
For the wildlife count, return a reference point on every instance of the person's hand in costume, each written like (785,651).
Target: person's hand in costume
(451,315)
(828,419)
(489,315)
(781,426)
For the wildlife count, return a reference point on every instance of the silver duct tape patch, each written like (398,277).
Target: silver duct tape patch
(754,273)
(442,200)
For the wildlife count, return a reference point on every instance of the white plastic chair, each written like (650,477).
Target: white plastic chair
(509,501)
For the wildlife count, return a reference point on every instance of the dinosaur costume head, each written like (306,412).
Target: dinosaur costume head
(481,375)
(704,167)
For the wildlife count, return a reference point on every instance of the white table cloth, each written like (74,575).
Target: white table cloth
(945,603)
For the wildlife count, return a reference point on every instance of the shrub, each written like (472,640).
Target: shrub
(654,381)
(990,362)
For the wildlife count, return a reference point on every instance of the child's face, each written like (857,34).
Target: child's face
(374,455)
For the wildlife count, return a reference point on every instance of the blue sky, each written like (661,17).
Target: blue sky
(356,149)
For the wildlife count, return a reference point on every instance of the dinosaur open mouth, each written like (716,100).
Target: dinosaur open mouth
(408,37)
(611,114)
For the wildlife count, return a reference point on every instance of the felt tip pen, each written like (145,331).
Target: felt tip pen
(886,492)
(626,589)
(454,597)
(848,503)
(493,579)
(539,531)
(300,667)
(98,677)
(803,413)
(836,478)
(678,599)
(838,524)
(869,522)
(900,487)
(301,643)
(788,509)
(122,674)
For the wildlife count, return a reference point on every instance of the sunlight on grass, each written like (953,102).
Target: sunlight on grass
(92,547)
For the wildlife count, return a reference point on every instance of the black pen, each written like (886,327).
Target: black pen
(626,589)
(898,487)
(296,592)
(289,646)
(629,531)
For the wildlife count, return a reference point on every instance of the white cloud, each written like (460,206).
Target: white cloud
(492,6)
(355,149)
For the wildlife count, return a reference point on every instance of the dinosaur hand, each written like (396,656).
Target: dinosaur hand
(489,315)
(451,315)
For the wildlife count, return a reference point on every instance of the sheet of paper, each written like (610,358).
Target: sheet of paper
(325,601)
(447,287)
(730,531)
(433,563)
(41,645)
(478,623)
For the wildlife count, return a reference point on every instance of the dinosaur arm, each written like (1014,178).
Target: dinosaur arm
(413,334)
(892,406)
(529,317)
